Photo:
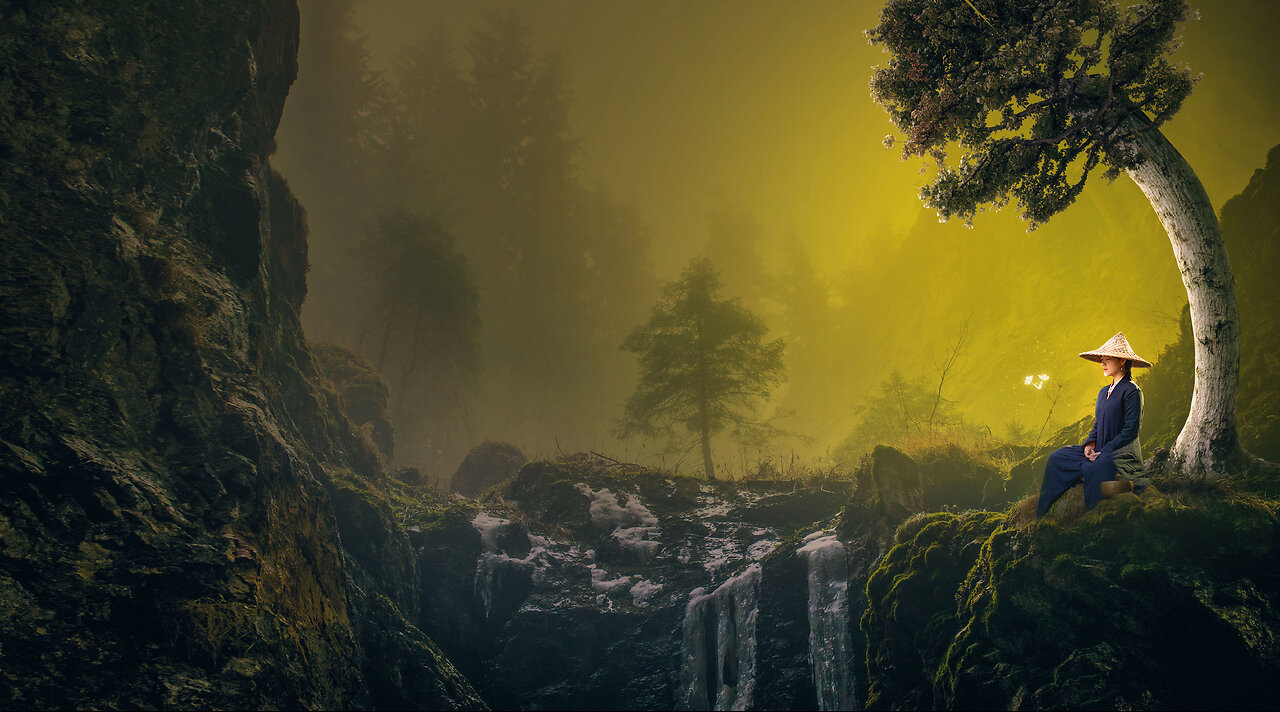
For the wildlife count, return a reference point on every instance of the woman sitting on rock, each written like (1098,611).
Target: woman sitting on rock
(1110,461)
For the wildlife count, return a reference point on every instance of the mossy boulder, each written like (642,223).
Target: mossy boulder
(910,616)
(1160,601)
(547,492)
(486,465)
(1138,604)
(945,476)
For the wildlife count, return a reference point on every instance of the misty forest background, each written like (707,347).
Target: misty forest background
(489,257)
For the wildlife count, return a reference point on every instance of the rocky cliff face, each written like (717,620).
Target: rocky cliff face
(171,465)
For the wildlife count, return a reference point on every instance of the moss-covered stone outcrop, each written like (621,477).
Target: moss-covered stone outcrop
(877,529)
(1146,603)
(390,582)
(486,465)
(898,485)
(168,447)
(910,616)
(1160,601)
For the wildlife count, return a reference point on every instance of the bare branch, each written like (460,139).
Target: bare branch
(945,368)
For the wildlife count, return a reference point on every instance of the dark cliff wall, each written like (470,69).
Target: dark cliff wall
(167,458)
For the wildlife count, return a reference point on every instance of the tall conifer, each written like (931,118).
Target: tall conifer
(704,362)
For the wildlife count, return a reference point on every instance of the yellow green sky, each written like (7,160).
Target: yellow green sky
(763,107)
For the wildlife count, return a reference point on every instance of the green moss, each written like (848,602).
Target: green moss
(1133,604)
(911,614)
(408,506)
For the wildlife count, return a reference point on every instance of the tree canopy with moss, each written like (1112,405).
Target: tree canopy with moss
(1038,95)
(704,362)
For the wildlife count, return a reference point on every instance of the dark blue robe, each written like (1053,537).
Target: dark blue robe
(1115,436)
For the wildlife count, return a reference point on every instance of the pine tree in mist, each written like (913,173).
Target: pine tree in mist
(899,414)
(891,417)
(421,332)
(431,114)
(524,234)
(704,363)
(1040,94)
(812,335)
(733,244)
(474,140)
(561,267)
(385,281)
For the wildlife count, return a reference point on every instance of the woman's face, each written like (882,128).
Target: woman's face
(1112,366)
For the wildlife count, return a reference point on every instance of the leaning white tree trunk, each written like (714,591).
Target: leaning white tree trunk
(1208,444)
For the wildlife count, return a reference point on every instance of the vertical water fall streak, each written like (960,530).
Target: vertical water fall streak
(829,623)
(489,561)
(718,662)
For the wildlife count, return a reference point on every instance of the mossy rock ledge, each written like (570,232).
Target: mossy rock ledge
(1165,601)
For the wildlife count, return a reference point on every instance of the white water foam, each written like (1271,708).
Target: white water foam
(633,526)
(493,563)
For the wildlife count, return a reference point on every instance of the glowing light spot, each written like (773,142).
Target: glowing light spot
(1031,381)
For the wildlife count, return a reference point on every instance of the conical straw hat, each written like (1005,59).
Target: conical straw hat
(1118,347)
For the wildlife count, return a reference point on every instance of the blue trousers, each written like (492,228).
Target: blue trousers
(1067,466)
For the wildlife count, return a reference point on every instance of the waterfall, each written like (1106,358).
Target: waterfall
(491,562)
(495,570)
(829,621)
(718,663)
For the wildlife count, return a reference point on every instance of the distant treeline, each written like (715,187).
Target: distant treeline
(456,246)
(453,244)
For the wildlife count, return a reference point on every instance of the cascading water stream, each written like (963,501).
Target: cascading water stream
(495,568)
(829,644)
(718,664)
